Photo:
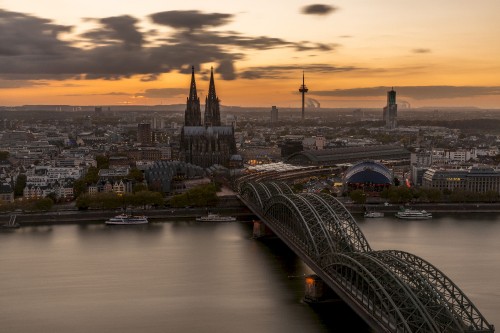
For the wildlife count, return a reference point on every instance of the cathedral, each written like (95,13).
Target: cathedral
(208,143)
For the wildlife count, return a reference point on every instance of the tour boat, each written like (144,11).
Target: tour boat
(215,218)
(373,214)
(128,219)
(411,214)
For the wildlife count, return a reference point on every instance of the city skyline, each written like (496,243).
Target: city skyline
(94,53)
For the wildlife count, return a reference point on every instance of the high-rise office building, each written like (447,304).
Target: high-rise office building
(391,110)
(274,115)
(144,133)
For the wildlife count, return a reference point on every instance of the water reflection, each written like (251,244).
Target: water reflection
(194,277)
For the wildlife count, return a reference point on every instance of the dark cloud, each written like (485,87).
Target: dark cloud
(162,93)
(235,39)
(420,50)
(121,29)
(149,77)
(21,34)
(190,19)
(230,38)
(415,92)
(318,9)
(277,72)
(31,48)
(226,69)
(307,46)
(14,84)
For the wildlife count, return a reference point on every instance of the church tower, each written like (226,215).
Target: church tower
(192,116)
(391,110)
(212,107)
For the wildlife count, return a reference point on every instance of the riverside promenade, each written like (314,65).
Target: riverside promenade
(430,207)
(229,206)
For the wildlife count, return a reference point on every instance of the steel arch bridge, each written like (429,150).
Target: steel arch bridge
(394,291)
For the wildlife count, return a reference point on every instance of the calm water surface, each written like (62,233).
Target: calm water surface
(191,277)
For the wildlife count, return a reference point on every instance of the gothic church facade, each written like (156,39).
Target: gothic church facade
(208,143)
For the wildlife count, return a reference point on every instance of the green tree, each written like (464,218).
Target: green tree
(109,201)
(358,196)
(457,196)
(83,201)
(20,185)
(139,187)
(92,175)
(180,200)
(491,196)
(434,195)
(399,194)
(136,175)
(102,162)
(200,196)
(79,187)
(144,198)
(52,196)
(43,204)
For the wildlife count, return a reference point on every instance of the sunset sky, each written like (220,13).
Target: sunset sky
(107,52)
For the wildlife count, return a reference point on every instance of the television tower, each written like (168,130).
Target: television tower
(303,89)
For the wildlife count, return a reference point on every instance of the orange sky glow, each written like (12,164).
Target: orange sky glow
(92,52)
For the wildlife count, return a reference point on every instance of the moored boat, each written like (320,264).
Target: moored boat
(373,214)
(412,214)
(124,219)
(215,218)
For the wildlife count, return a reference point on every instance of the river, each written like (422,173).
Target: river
(194,277)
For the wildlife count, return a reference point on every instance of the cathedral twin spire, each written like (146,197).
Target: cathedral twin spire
(212,105)
(192,116)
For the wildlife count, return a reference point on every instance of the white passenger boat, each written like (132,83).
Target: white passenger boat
(411,214)
(128,219)
(373,214)
(215,218)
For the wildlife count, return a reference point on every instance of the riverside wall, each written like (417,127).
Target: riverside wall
(227,206)
(230,205)
(432,208)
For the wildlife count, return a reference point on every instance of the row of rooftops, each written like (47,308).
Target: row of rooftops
(342,155)
(473,171)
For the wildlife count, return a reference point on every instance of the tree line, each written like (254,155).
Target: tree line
(403,194)
(111,200)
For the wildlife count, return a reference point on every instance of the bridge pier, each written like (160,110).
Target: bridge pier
(261,230)
(317,291)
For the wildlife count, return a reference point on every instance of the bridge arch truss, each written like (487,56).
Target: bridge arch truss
(398,290)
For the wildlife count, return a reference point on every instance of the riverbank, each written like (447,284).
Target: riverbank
(228,206)
(432,208)
(69,217)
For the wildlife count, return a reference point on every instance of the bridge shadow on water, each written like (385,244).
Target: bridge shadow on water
(333,316)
